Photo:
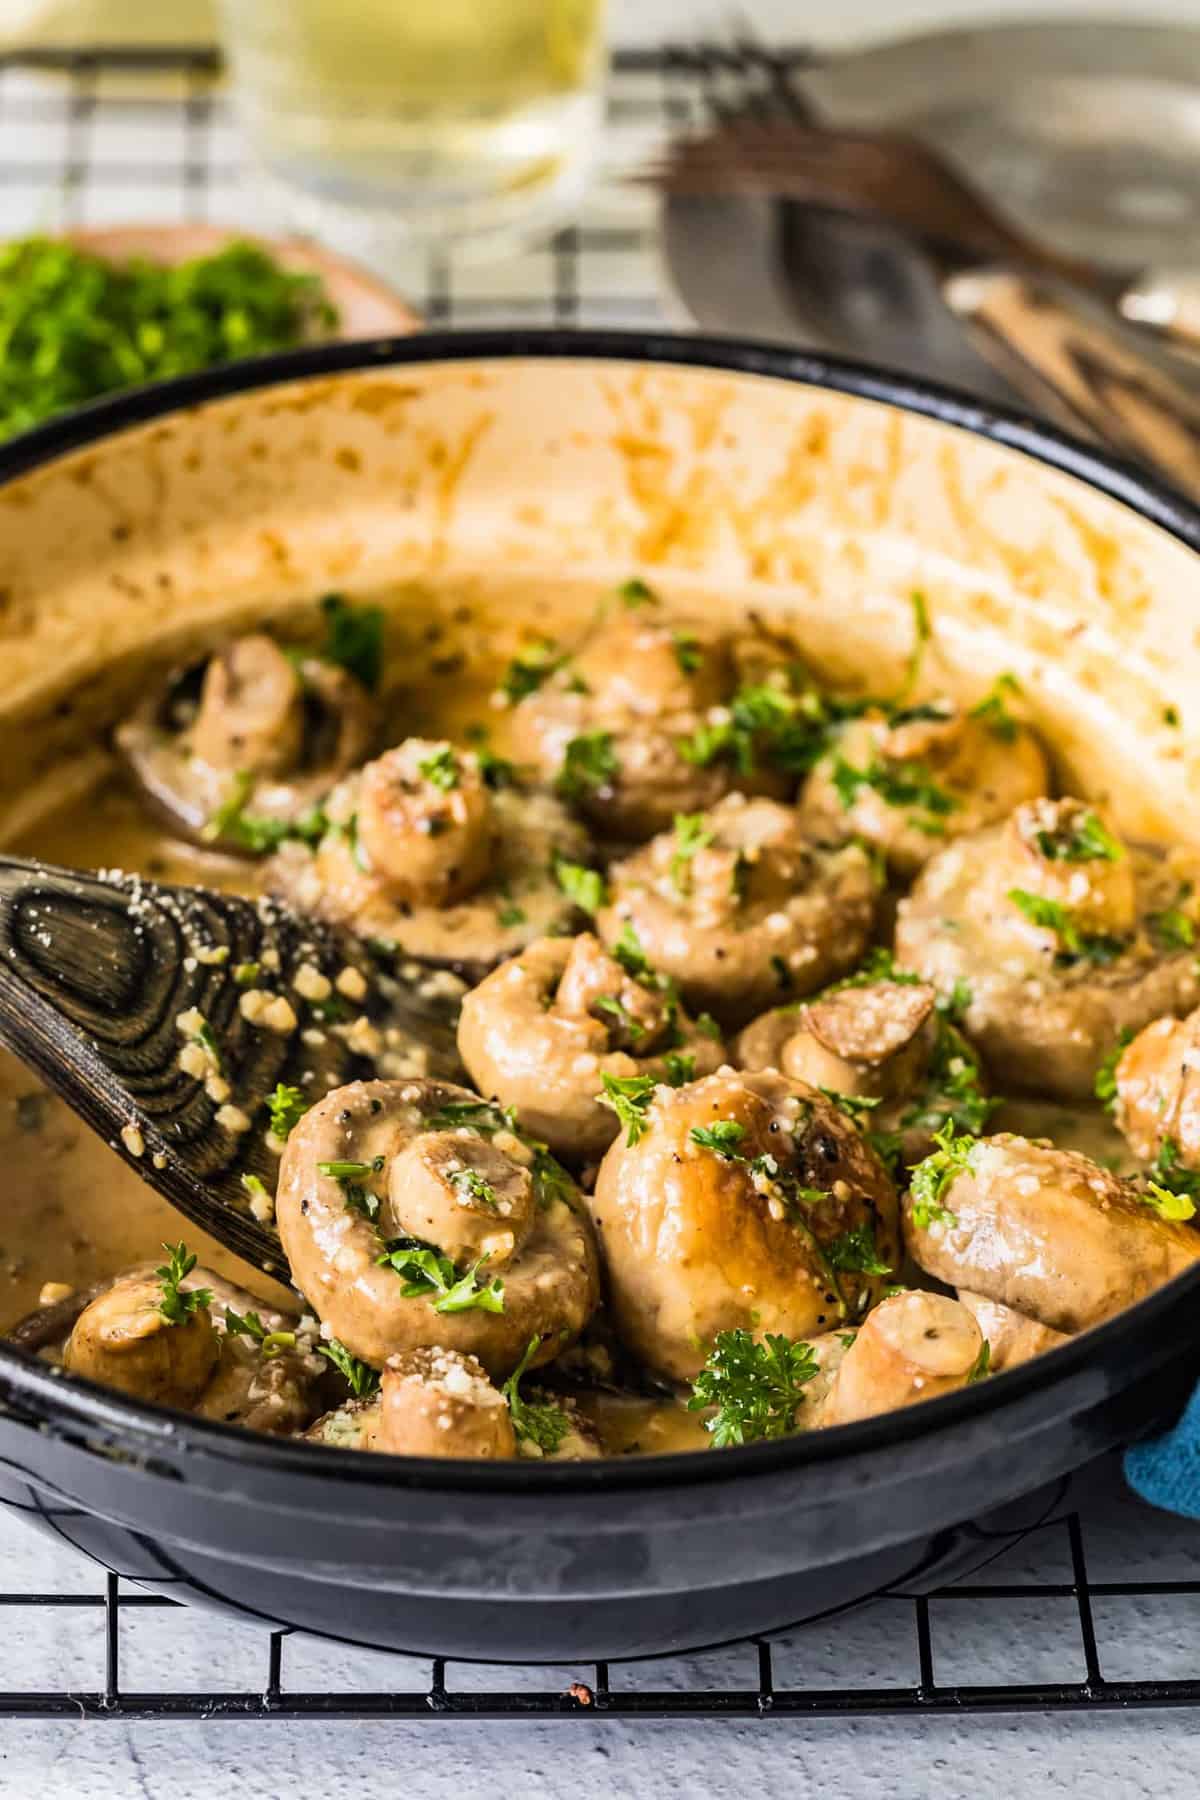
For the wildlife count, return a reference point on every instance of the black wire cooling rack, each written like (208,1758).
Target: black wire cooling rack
(107,136)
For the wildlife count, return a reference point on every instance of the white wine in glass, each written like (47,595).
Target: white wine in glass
(385,125)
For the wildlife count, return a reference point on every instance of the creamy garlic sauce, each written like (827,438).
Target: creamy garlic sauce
(76,1214)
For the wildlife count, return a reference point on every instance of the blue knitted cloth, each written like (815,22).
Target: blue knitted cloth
(1166,1470)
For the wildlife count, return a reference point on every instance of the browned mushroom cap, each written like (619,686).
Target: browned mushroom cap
(258,747)
(745,1202)
(912,1347)
(123,1340)
(461,1192)
(251,712)
(742,907)
(653,685)
(907,781)
(538,1035)
(1031,918)
(873,1041)
(421,853)
(424,822)
(1011,1336)
(1045,1231)
(437,1402)
(1158,1091)
(1066,852)
(349,1172)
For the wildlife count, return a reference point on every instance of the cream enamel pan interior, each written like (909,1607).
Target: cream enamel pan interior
(825,508)
(550,465)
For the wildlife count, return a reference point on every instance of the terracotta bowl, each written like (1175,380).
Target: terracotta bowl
(822,494)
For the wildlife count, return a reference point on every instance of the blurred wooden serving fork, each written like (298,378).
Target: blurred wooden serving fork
(1049,322)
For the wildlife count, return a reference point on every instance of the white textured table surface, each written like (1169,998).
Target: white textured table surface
(1100,1754)
(132,155)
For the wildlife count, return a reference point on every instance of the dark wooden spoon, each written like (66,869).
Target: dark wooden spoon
(95,974)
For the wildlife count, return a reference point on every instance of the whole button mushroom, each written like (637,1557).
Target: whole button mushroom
(544,1031)
(414,1217)
(1063,936)
(913,1346)
(655,714)
(1044,1231)
(884,1044)
(421,853)
(740,908)
(253,754)
(739,1202)
(907,779)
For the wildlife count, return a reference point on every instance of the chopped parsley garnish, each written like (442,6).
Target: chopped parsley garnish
(350,1177)
(953,1088)
(474,1115)
(938,1172)
(1172,929)
(204,1037)
(688,654)
(1169,1173)
(1170,716)
(362,1379)
(855,1106)
(354,638)
(992,711)
(922,632)
(877,965)
(286,1106)
(1052,915)
(629,1097)
(678,1069)
(957,1003)
(440,769)
(855,1252)
(982,1366)
(589,763)
(691,835)
(723,1137)
(900,783)
(1105,1085)
(1177,1208)
(495,771)
(613,1008)
(177,1304)
(535,1422)
(258,835)
(707,1026)
(584,888)
(509,916)
(529,668)
(629,953)
(469,1184)
(756,1388)
(425,1272)
(1087,839)
(787,731)
(635,592)
(250,1326)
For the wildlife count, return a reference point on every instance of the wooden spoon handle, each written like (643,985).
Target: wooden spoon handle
(106,984)
(1090,374)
